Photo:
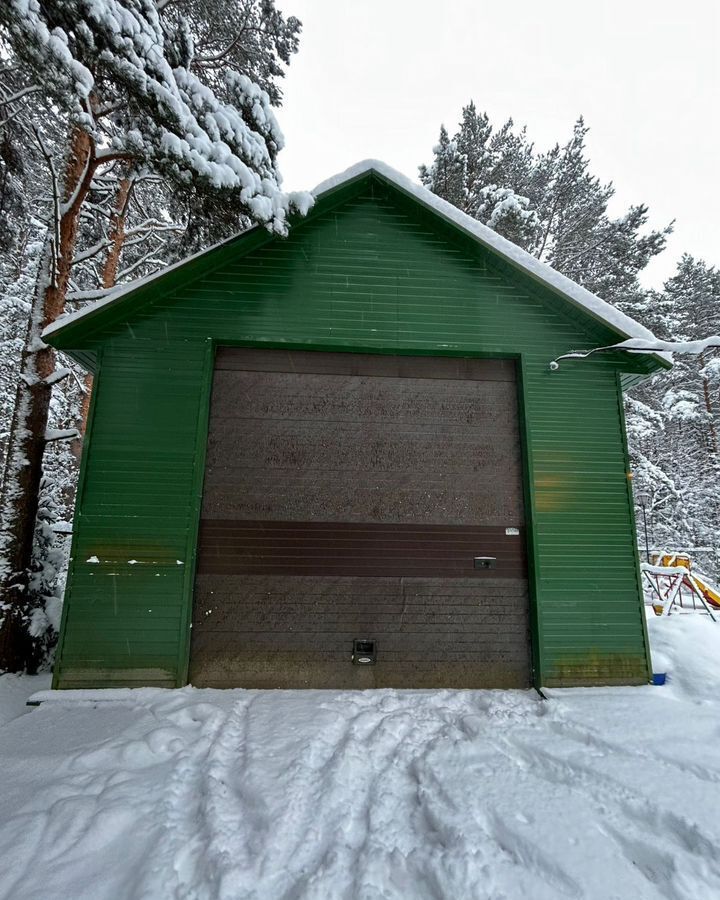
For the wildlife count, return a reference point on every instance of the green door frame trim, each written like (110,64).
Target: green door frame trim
(198,480)
(633,524)
(79,494)
(201,439)
(533,563)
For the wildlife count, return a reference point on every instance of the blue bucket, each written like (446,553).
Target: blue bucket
(659,677)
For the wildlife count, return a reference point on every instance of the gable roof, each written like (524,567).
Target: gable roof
(560,285)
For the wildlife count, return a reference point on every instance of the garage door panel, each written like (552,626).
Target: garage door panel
(413,644)
(298,632)
(360,446)
(373,498)
(333,600)
(339,398)
(359,364)
(285,670)
(323,548)
(346,496)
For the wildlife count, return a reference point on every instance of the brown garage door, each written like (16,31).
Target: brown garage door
(346,498)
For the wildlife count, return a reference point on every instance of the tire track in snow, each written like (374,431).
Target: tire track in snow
(525,856)
(290,833)
(367,800)
(232,810)
(296,839)
(669,877)
(364,809)
(374,768)
(586,736)
(180,870)
(387,792)
(486,827)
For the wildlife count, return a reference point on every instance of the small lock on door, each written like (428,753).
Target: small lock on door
(364,652)
(484,562)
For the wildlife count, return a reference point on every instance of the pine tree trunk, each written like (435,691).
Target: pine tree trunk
(20,648)
(109,275)
(117,233)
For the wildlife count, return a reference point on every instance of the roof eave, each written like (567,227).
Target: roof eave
(662,359)
(527,265)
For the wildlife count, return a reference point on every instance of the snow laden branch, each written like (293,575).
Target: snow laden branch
(222,138)
(644,345)
(137,235)
(61,434)
(7,100)
(82,296)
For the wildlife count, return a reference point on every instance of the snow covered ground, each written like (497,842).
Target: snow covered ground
(604,793)
(14,692)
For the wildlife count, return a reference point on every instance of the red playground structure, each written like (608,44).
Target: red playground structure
(675,585)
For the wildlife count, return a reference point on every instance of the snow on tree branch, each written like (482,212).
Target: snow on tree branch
(224,138)
(60,434)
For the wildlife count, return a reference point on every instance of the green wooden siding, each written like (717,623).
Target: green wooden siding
(375,274)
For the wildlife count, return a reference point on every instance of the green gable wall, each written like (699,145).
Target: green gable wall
(375,274)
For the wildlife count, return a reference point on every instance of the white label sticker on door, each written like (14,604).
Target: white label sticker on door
(512,531)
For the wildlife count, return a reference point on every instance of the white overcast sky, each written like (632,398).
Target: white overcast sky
(375,78)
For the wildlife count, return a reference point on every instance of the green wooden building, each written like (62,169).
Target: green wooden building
(341,459)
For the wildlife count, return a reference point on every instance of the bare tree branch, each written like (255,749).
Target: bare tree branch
(211,61)
(139,262)
(18,95)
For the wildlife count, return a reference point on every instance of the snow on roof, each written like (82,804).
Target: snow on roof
(517,257)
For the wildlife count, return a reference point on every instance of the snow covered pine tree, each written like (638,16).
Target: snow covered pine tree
(551,205)
(674,419)
(150,87)
(547,203)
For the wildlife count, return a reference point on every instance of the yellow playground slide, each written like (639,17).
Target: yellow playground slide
(710,591)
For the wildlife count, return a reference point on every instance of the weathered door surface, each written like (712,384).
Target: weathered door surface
(346,498)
